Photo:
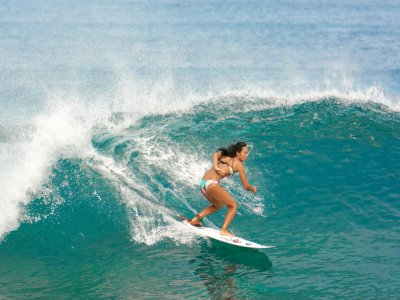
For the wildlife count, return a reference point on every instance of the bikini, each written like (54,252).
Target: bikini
(205,183)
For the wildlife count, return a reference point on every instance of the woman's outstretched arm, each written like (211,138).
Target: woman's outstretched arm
(245,182)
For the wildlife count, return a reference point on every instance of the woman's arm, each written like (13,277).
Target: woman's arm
(243,179)
(215,158)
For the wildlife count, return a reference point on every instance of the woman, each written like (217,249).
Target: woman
(226,162)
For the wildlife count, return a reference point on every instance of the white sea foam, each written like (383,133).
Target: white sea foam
(150,221)
(256,98)
(65,129)
(28,162)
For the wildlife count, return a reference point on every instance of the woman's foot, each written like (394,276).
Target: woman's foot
(225,232)
(196,221)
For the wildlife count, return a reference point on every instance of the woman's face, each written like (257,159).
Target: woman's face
(242,155)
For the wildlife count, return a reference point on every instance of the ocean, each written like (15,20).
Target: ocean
(111,111)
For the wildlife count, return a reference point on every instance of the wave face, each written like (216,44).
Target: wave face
(326,170)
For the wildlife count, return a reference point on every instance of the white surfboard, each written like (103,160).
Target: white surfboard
(215,234)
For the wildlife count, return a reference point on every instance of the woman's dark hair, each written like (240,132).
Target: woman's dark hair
(232,149)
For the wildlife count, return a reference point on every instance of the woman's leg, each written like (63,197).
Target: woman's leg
(208,210)
(222,196)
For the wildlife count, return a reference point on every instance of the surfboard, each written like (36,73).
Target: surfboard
(215,234)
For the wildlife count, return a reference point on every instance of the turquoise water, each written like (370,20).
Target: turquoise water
(110,114)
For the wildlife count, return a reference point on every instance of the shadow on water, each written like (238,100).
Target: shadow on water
(221,266)
(245,257)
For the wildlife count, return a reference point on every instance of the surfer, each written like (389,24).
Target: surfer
(226,162)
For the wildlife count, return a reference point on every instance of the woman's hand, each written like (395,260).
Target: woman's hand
(218,170)
(254,189)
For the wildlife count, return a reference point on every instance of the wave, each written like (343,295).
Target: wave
(152,150)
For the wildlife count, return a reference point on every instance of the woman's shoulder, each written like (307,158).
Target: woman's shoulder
(237,165)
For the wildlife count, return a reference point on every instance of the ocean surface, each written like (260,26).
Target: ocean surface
(110,112)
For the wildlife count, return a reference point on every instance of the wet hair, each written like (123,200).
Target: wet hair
(232,149)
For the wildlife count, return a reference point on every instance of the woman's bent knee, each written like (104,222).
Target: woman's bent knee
(218,205)
(232,205)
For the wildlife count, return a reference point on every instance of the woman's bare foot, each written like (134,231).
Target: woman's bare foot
(225,232)
(195,222)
